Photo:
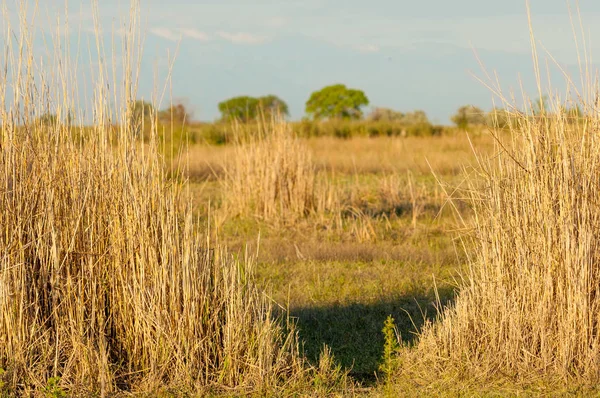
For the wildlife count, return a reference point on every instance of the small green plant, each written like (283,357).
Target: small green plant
(390,347)
(2,383)
(53,390)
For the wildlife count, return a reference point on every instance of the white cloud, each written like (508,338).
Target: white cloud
(232,37)
(367,48)
(242,38)
(121,32)
(276,22)
(166,33)
(195,34)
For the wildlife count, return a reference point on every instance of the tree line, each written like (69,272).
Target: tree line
(332,102)
(341,103)
(335,102)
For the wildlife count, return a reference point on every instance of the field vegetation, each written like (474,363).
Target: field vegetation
(144,254)
(367,234)
(107,284)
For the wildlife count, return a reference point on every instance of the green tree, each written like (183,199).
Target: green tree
(336,102)
(468,115)
(272,105)
(242,108)
(246,108)
(178,113)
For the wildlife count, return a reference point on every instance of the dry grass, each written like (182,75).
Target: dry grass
(397,154)
(270,176)
(528,313)
(529,310)
(204,162)
(273,178)
(106,284)
(381,155)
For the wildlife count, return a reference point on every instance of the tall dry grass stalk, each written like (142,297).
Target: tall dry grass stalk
(270,176)
(529,308)
(105,281)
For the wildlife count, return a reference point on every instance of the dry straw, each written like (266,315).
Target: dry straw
(106,284)
(529,308)
(270,175)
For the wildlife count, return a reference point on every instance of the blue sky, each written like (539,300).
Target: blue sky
(405,55)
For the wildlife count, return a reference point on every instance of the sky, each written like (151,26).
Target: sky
(434,55)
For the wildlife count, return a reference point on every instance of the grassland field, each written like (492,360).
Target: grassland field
(141,256)
(340,284)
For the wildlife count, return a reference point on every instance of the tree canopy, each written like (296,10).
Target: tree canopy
(336,102)
(246,108)
(177,113)
(273,105)
(468,115)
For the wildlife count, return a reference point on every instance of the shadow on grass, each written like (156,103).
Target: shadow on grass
(353,331)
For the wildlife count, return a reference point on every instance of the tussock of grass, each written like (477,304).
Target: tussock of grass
(106,283)
(527,317)
(270,176)
(529,309)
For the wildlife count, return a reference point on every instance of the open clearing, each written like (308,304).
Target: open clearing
(340,283)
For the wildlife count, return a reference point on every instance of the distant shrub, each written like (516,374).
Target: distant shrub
(416,117)
(469,115)
(437,129)
(247,109)
(306,128)
(178,113)
(419,130)
(366,128)
(385,114)
(48,119)
(214,134)
(223,133)
(498,118)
